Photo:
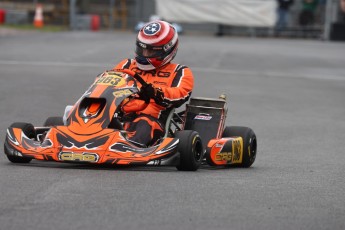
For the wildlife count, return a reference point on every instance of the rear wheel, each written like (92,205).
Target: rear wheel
(249,143)
(53,121)
(190,149)
(29,131)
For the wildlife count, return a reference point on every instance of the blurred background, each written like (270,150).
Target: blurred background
(273,59)
(313,19)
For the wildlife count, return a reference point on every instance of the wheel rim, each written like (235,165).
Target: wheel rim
(198,151)
(252,151)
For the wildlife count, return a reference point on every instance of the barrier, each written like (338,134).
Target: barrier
(87,22)
(2,16)
(95,22)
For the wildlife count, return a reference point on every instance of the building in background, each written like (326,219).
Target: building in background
(259,19)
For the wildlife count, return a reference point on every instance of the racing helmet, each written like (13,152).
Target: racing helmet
(156,45)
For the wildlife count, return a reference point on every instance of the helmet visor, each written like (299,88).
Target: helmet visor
(148,51)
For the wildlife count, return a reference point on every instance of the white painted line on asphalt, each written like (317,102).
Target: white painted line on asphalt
(51,63)
(270,74)
(195,69)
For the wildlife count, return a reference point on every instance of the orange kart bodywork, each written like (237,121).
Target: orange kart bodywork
(107,146)
(86,136)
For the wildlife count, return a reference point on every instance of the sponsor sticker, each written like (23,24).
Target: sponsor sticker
(82,157)
(122,93)
(237,150)
(225,156)
(219,145)
(204,117)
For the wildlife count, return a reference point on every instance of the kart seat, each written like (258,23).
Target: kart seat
(168,122)
(206,116)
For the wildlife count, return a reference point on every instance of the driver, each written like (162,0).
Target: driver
(169,85)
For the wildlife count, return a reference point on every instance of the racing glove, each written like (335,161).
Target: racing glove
(149,91)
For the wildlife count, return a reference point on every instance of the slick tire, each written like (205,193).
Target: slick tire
(53,121)
(249,143)
(29,131)
(190,149)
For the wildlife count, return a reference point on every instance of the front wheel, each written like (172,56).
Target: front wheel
(29,131)
(249,143)
(190,149)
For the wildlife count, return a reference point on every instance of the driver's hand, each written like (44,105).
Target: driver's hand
(149,91)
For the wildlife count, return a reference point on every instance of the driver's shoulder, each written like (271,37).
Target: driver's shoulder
(173,67)
(125,64)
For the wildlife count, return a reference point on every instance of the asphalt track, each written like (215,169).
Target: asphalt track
(290,92)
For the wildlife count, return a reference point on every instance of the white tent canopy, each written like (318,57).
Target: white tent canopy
(258,13)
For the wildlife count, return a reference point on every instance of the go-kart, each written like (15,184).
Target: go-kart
(91,132)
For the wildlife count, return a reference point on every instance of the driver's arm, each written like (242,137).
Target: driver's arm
(177,93)
(180,90)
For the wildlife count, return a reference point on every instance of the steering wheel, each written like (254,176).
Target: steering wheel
(134,75)
(137,77)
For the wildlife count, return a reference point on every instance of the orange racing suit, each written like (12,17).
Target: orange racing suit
(176,81)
